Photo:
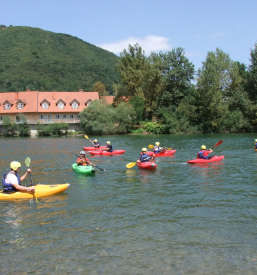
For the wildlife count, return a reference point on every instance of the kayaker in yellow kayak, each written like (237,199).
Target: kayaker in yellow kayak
(83,160)
(157,149)
(144,157)
(12,181)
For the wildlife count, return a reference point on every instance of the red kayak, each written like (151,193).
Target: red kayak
(147,165)
(165,153)
(213,159)
(106,153)
(93,148)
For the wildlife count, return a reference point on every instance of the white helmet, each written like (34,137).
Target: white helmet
(82,153)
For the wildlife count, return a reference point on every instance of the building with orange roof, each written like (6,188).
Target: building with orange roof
(45,107)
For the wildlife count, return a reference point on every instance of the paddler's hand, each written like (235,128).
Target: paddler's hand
(31,189)
(28,170)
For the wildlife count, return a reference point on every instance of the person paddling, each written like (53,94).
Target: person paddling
(144,157)
(96,143)
(255,144)
(157,149)
(109,147)
(12,181)
(203,154)
(83,160)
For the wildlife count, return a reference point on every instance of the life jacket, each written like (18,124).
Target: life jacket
(8,187)
(97,144)
(157,149)
(201,155)
(144,157)
(84,162)
(255,145)
(109,146)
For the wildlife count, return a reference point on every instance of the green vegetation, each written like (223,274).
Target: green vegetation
(21,129)
(54,129)
(40,60)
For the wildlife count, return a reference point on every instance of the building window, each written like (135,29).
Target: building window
(57,116)
(7,106)
(49,118)
(64,116)
(88,103)
(20,106)
(17,119)
(1,118)
(71,116)
(75,105)
(78,116)
(41,116)
(45,105)
(61,105)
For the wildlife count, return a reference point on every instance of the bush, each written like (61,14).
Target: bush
(54,129)
(154,128)
(11,127)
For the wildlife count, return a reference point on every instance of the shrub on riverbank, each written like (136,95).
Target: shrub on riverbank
(54,129)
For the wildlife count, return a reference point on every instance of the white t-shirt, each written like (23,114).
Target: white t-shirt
(11,178)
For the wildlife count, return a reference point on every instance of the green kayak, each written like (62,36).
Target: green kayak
(89,170)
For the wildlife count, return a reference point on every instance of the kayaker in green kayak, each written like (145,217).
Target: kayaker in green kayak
(83,160)
(12,181)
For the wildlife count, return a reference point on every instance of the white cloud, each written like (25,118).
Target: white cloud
(216,35)
(150,43)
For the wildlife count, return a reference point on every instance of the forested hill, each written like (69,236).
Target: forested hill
(35,59)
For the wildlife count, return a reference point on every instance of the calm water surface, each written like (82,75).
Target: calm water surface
(179,219)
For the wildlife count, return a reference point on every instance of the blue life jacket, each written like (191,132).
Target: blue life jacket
(144,157)
(201,156)
(109,146)
(255,145)
(157,149)
(97,144)
(7,187)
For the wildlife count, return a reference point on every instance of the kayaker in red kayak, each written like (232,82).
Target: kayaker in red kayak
(255,143)
(83,160)
(109,147)
(12,181)
(157,149)
(96,143)
(203,154)
(144,157)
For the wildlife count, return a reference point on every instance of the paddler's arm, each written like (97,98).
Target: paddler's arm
(22,188)
(210,151)
(25,175)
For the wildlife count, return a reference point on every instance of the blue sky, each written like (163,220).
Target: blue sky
(198,26)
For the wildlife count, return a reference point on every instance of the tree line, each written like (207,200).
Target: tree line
(165,89)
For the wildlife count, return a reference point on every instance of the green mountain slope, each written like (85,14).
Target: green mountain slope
(31,58)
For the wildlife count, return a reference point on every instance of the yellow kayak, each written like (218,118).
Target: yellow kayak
(41,190)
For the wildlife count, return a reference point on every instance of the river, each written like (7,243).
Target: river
(179,219)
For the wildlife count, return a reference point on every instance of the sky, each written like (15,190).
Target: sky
(198,26)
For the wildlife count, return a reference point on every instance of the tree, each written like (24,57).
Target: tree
(177,73)
(100,88)
(252,89)
(218,80)
(23,127)
(132,68)
(11,126)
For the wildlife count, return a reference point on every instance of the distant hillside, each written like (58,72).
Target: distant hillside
(45,61)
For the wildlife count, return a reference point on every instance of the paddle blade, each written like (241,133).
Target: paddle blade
(217,144)
(150,146)
(27,162)
(86,136)
(131,164)
(169,148)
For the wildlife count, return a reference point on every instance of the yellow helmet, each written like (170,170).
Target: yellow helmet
(15,165)
(203,147)
(157,143)
(256,140)
(144,150)
(95,140)
(108,142)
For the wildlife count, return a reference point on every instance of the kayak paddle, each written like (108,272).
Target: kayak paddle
(27,163)
(91,162)
(151,146)
(131,164)
(88,139)
(217,144)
